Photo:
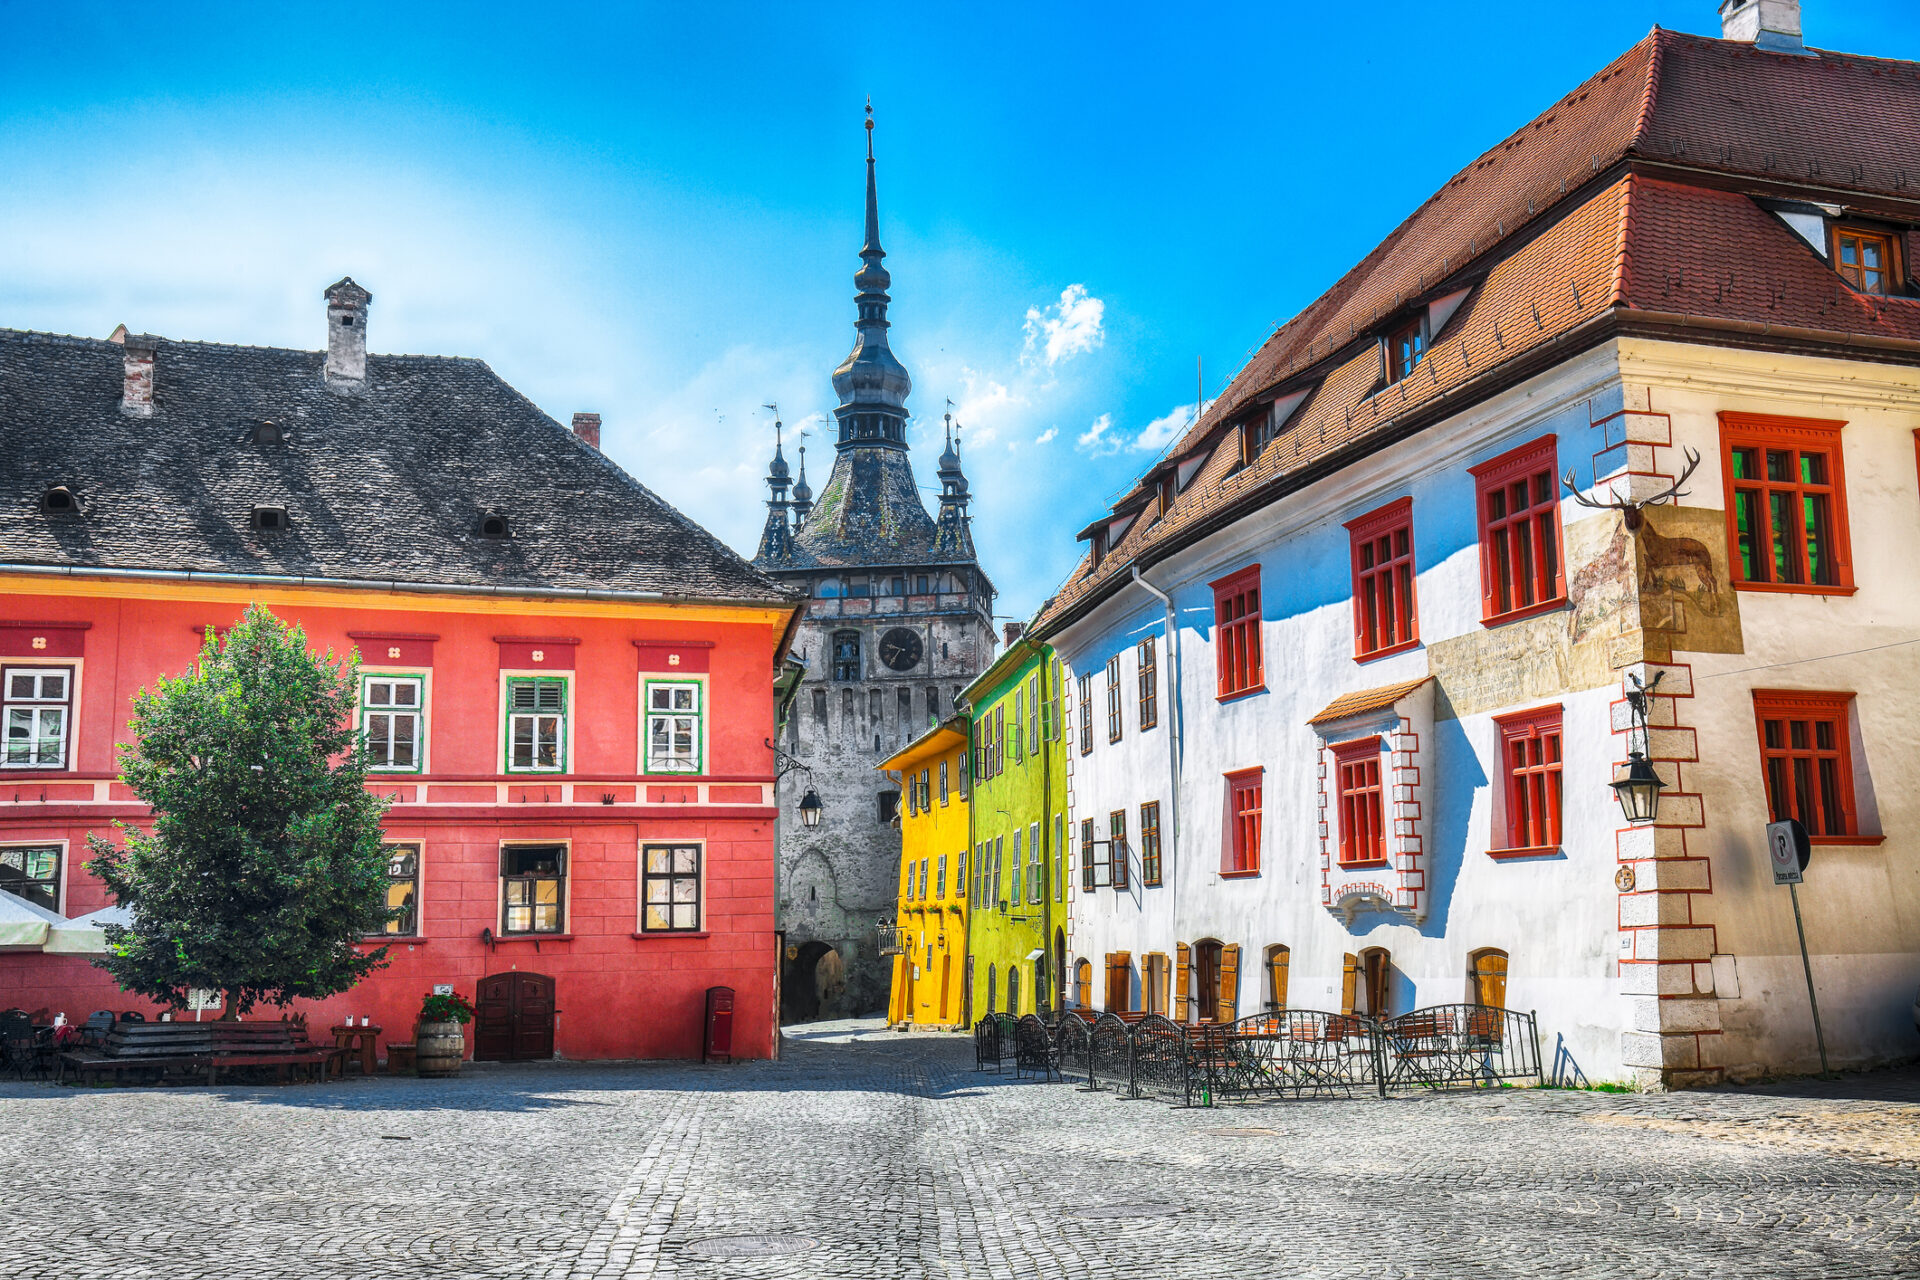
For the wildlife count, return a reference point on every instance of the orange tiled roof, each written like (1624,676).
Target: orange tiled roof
(1365,700)
(1624,204)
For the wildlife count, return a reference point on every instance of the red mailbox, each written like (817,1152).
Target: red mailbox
(719,1039)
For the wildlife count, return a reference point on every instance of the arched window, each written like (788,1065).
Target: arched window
(1277,958)
(1013,990)
(1487,977)
(1216,980)
(1083,984)
(846,655)
(1367,983)
(1039,983)
(990,991)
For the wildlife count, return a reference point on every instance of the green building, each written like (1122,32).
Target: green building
(1016,929)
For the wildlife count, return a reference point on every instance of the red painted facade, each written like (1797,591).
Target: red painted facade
(620,990)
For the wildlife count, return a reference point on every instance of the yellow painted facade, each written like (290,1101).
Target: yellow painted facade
(929,973)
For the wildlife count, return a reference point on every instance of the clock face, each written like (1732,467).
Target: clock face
(900,649)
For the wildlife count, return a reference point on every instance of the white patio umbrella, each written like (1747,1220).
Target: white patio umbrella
(83,935)
(25,925)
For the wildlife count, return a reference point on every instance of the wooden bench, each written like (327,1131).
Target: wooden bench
(282,1045)
(199,1047)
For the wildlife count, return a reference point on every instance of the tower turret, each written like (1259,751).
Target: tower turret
(776,540)
(954,536)
(802,494)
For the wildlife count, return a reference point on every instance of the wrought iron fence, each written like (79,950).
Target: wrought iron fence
(1110,1063)
(1449,1045)
(1286,1052)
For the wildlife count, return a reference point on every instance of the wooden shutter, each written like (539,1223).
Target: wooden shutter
(1182,979)
(1119,981)
(1277,976)
(1349,975)
(1229,982)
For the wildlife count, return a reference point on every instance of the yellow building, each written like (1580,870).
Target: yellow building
(930,963)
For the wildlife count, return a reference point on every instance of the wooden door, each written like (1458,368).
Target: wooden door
(1375,967)
(1206,981)
(946,983)
(1490,978)
(513,1018)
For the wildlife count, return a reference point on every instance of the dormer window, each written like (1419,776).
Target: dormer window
(1406,348)
(269,519)
(268,433)
(1864,258)
(493,526)
(59,500)
(1099,547)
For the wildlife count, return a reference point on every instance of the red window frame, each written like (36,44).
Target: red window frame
(1236,625)
(1386,616)
(1240,851)
(1531,749)
(1522,550)
(1819,767)
(1360,800)
(1755,501)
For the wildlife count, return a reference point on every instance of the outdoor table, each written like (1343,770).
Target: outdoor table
(360,1041)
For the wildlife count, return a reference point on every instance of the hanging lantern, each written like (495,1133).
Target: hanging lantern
(810,808)
(1638,789)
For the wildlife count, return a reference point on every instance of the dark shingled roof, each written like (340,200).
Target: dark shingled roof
(389,485)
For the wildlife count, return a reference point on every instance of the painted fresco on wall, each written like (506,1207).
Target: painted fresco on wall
(1687,601)
(1579,647)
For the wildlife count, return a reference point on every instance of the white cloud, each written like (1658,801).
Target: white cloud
(1095,439)
(1046,437)
(1066,328)
(1166,428)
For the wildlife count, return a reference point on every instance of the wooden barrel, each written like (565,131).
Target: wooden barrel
(439,1046)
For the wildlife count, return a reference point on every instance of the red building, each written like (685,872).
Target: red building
(567,686)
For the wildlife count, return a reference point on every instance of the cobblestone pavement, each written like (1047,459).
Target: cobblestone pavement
(892,1158)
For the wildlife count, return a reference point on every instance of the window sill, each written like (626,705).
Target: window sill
(1368,864)
(1531,611)
(502,939)
(653,935)
(393,940)
(1374,654)
(1846,840)
(1238,694)
(1795,589)
(1508,855)
(1244,874)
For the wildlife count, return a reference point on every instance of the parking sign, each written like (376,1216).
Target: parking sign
(1787,850)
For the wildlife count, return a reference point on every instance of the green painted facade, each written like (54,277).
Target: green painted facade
(1017,895)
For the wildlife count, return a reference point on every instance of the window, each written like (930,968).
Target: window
(1059,857)
(1087,875)
(1375,967)
(1786,503)
(1154,971)
(534,880)
(390,709)
(1406,348)
(1806,758)
(1384,620)
(1864,259)
(1018,875)
(1242,853)
(943,783)
(924,879)
(999,861)
(1086,714)
(1036,867)
(926,790)
(32,873)
(1019,720)
(888,807)
(1149,681)
(673,726)
(846,654)
(1357,773)
(403,890)
(38,705)
(1530,762)
(1519,504)
(1113,698)
(268,519)
(940,885)
(1119,982)
(1083,983)
(960,874)
(1236,618)
(1150,843)
(670,901)
(536,725)
(1117,848)
(1033,714)
(1279,959)
(1000,739)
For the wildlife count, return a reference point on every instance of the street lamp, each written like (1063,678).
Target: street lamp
(784,764)
(810,808)
(1638,786)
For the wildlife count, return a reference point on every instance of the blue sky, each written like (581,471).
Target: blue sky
(652,211)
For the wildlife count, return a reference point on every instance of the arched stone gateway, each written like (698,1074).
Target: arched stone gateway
(814,985)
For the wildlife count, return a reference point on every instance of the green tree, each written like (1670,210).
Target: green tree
(264,865)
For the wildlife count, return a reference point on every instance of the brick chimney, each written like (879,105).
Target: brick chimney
(1013,630)
(587,427)
(136,387)
(1773,25)
(346,370)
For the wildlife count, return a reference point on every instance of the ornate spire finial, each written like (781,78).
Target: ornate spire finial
(869,128)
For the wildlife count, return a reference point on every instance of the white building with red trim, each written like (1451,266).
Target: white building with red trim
(1394,655)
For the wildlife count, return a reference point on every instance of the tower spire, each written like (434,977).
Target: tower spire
(776,539)
(802,494)
(871,382)
(953,534)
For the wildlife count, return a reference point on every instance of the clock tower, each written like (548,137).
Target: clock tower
(899,621)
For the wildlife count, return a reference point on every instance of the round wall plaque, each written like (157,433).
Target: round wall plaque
(1623,879)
